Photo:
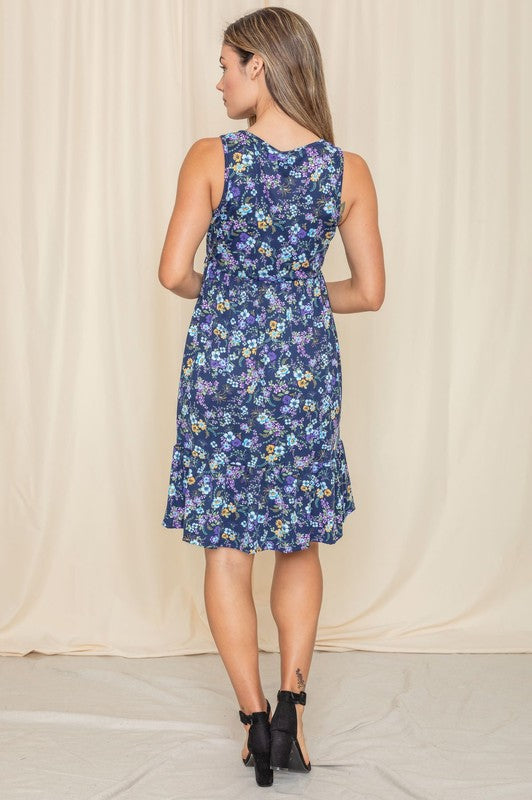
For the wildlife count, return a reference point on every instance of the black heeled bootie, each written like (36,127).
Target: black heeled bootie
(259,744)
(285,752)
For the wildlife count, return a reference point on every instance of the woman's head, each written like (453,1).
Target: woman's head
(274,50)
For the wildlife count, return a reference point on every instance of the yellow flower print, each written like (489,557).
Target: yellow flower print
(303,262)
(265,250)
(241,162)
(230,508)
(187,367)
(276,329)
(281,528)
(264,221)
(220,331)
(272,453)
(222,303)
(303,378)
(198,425)
(249,348)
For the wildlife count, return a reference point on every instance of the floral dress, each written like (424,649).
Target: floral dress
(258,462)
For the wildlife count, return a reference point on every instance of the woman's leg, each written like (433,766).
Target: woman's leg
(233,623)
(295,599)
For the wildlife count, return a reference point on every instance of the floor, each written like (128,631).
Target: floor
(378,726)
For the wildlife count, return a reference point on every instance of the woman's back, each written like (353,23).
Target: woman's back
(286,202)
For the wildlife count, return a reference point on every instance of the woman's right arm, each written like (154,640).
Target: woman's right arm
(359,229)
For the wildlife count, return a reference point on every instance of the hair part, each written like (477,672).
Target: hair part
(293,68)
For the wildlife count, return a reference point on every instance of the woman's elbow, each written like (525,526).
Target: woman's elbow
(376,303)
(378,290)
(168,276)
(166,281)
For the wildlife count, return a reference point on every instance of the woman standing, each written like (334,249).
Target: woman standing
(258,462)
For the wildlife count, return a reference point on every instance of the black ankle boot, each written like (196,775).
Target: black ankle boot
(285,752)
(259,744)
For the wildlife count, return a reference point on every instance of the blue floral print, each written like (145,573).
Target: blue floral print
(258,462)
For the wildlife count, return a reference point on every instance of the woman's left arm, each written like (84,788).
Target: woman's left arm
(189,222)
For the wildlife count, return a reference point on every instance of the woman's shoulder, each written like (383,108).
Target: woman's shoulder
(356,168)
(355,160)
(357,184)
(204,146)
(205,155)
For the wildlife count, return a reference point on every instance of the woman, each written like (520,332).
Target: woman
(259,463)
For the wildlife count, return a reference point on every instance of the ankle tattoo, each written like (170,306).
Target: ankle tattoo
(300,679)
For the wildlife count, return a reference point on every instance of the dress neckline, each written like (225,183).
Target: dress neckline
(271,146)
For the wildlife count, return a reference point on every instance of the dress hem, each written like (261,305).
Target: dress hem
(234,546)
(254,509)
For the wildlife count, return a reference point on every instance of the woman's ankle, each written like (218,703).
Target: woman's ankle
(255,705)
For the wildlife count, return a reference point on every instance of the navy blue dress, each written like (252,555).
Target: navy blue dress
(258,462)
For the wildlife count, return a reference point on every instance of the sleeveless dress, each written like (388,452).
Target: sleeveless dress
(258,462)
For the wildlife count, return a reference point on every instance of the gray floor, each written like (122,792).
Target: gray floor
(383,726)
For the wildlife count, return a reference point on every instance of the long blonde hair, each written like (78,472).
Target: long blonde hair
(293,68)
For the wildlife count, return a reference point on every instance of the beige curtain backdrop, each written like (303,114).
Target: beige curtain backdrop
(100,102)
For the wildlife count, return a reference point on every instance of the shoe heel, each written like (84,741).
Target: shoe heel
(281,745)
(263,771)
(259,744)
(285,751)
